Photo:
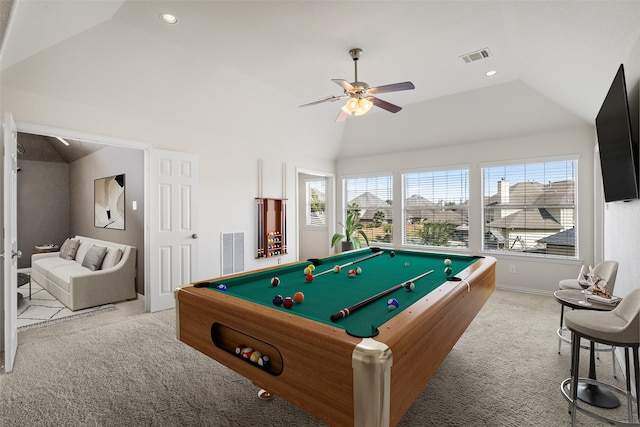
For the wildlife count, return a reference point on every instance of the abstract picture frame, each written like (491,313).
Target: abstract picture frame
(109,202)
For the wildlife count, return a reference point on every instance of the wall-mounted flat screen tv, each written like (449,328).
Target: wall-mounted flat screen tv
(617,145)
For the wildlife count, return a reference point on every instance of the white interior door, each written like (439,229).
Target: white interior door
(10,250)
(173,225)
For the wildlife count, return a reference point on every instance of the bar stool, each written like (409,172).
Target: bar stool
(619,327)
(607,271)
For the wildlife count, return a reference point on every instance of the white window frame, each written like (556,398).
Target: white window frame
(515,162)
(345,200)
(405,195)
(308,223)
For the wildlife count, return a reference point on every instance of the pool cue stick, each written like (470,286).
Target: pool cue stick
(347,311)
(349,263)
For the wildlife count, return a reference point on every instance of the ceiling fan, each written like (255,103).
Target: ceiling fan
(360,95)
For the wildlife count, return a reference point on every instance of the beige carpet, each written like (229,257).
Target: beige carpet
(44,309)
(107,370)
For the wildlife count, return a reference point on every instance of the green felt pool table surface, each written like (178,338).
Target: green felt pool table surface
(331,292)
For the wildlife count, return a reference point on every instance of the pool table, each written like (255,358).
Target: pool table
(364,369)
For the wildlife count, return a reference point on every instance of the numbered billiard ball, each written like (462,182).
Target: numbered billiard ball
(352,273)
(392,304)
(288,302)
(336,269)
(275,281)
(309,277)
(358,270)
(392,254)
(264,361)
(222,287)
(311,267)
(409,286)
(246,352)
(447,261)
(448,270)
(277,300)
(255,356)
(298,297)
(240,348)
(307,270)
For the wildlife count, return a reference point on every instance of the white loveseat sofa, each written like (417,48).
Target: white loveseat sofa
(78,286)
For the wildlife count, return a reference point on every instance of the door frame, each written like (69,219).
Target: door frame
(37,129)
(330,215)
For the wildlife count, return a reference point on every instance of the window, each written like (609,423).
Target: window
(530,208)
(316,202)
(436,208)
(371,198)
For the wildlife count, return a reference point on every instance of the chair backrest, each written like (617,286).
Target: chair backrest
(607,270)
(629,310)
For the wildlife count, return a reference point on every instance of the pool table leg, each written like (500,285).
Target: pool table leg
(371,362)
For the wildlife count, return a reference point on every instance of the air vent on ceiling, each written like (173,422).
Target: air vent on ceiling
(476,56)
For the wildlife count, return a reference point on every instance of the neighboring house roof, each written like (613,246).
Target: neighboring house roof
(563,238)
(533,193)
(531,219)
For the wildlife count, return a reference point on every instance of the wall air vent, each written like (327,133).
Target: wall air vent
(232,253)
(476,56)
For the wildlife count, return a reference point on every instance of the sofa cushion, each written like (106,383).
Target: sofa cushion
(113,257)
(62,275)
(82,250)
(69,248)
(44,265)
(93,259)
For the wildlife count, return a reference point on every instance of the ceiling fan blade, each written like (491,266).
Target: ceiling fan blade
(327,99)
(384,104)
(394,87)
(344,84)
(342,116)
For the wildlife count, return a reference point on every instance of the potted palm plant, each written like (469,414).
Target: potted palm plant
(353,231)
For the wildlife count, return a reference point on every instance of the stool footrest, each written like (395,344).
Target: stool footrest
(566,392)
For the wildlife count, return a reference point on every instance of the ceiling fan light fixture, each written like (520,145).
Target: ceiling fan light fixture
(364,105)
(351,106)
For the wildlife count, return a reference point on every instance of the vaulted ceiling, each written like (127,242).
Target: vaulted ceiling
(557,55)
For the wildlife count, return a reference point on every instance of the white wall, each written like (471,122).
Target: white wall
(622,220)
(532,274)
(197,113)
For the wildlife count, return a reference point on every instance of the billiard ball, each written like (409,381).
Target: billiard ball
(222,287)
(307,271)
(392,304)
(255,356)
(409,286)
(406,264)
(240,348)
(264,361)
(288,302)
(298,297)
(448,271)
(358,270)
(336,269)
(309,277)
(352,273)
(311,267)
(277,300)
(392,254)
(447,261)
(275,281)
(246,352)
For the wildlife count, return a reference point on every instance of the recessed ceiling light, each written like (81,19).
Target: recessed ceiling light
(169,18)
(490,73)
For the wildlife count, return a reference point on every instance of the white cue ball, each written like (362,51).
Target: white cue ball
(447,261)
